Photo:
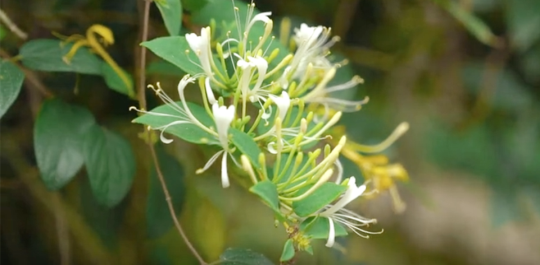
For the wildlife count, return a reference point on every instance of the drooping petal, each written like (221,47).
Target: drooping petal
(331,233)
(224,174)
(209,93)
(352,193)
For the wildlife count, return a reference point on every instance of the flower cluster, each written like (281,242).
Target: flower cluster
(268,106)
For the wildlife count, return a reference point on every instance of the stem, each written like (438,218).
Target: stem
(29,75)
(12,26)
(142,104)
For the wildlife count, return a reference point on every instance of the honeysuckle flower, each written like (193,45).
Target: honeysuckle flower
(256,93)
(201,46)
(209,92)
(352,220)
(183,115)
(283,103)
(223,116)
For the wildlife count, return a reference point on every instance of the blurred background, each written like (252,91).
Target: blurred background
(465,74)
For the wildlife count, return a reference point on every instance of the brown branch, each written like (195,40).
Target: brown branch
(142,105)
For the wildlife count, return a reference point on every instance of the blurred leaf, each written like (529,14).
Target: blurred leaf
(110,164)
(324,195)
(474,25)
(319,228)
(504,206)
(164,68)
(171,11)
(173,49)
(2,32)
(267,190)
(46,55)
(115,82)
(158,216)
(238,256)
(189,132)
(58,141)
(210,228)
(246,145)
(288,251)
(523,22)
(194,5)
(530,64)
(11,79)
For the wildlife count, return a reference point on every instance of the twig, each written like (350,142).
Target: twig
(11,26)
(142,105)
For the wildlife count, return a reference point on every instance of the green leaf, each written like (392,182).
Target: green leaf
(115,82)
(247,146)
(158,216)
(173,49)
(46,55)
(11,79)
(319,227)
(288,251)
(58,136)
(474,25)
(523,22)
(110,165)
(164,68)
(189,132)
(2,32)
(171,11)
(324,195)
(237,256)
(194,5)
(267,190)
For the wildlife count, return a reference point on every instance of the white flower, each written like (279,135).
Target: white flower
(223,117)
(209,92)
(201,46)
(352,220)
(283,103)
(183,115)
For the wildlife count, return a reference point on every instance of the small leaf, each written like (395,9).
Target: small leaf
(267,190)
(110,164)
(158,216)
(171,11)
(189,132)
(324,195)
(173,49)
(46,55)
(58,136)
(319,227)
(11,79)
(237,256)
(116,82)
(247,146)
(288,251)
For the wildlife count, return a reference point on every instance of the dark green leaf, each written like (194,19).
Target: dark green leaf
(247,146)
(173,49)
(46,55)
(288,251)
(523,21)
(11,79)
(2,32)
(116,82)
(171,11)
(58,136)
(267,190)
(189,132)
(324,195)
(319,227)
(158,216)
(110,164)
(161,67)
(194,5)
(237,256)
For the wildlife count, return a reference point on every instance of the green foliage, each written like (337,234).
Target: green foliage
(267,190)
(318,227)
(194,5)
(236,256)
(110,165)
(523,22)
(59,134)
(161,67)
(158,215)
(115,82)
(46,55)
(324,195)
(288,251)
(173,49)
(246,145)
(171,11)
(11,79)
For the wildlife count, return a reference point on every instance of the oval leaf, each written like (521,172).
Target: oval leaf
(110,164)
(238,256)
(324,195)
(319,228)
(58,136)
(171,11)
(173,49)
(189,132)
(267,190)
(46,55)
(158,216)
(288,251)
(115,82)
(247,146)
(11,79)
